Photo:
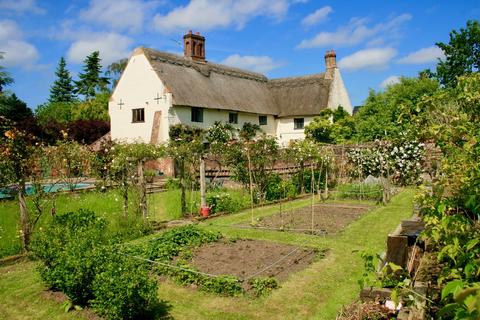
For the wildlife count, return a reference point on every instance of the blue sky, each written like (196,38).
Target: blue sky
(376,41)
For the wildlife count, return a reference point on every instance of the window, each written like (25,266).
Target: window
(197,115)
(138,115)
(298,123)
(233,118)
(262,120)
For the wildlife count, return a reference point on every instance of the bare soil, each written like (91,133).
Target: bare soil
(252,258)
(327,219)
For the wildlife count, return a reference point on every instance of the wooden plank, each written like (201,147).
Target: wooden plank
(156,127)
(397,250)
(375,294)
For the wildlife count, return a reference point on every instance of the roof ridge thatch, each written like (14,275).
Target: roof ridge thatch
(203,67)
(317,78)
(215,86)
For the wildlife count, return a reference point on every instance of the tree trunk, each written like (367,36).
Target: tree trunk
(203,200)
(125,195)
(250,184)
(302,182)
(183,197)
(143,190)
(24,216)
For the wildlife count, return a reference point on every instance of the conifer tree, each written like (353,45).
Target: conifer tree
(90,80)
(5,78)
(62,89)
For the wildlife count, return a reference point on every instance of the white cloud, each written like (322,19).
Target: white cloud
(19,6)
(118,14)
(356,32)
(112,47)
(424,55)
(261,64)
(17,51)
(209,14)
(389,81)
(372,59)
(317,17)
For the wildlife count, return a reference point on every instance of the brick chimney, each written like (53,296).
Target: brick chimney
(330,60)
(194,46)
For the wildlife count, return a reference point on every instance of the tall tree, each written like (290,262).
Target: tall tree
(90,80)
(5,78)
(62,89)
(462,54)
(115,70)
(13,108)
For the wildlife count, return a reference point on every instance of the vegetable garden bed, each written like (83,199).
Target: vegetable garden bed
(327,219)
(247,259)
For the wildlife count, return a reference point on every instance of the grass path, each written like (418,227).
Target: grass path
(315,293)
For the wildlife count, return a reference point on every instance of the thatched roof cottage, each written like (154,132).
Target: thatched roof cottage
(159,89)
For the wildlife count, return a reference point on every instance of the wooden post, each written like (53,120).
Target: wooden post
(143,189)
(326,181)
(251,184)
(312,186)
(203,199)
(24,216)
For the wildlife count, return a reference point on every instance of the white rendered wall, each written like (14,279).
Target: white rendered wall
(179,114)
(137,88)
(338,94)
(286,131)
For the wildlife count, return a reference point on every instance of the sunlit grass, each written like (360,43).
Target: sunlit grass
(317,292)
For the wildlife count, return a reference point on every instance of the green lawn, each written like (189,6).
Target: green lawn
(315,293)
(163,206)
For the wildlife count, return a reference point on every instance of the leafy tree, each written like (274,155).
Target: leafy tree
(62,89)
(90,80)
(59,112)
(18,164)
(115,70)
(5,78)
(387,114)
(127,169)
(93,109)
(462,54)
(320,129)
(13,108)
(185,147)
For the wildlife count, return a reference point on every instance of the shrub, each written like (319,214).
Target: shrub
(263,285)
(123,289)
(226,285)
(279,189)
(172,184)
(78,260)
(67,248)
(224,202)
(171,242)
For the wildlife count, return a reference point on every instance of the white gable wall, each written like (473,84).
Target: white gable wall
(137,88)
(338,93)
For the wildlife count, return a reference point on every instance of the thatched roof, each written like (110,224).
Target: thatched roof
(300,96)
(214,86)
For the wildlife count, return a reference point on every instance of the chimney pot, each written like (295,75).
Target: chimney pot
(330,59)
(194,46)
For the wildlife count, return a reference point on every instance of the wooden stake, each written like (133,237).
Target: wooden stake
(312,183)
(251,183)
(203,199)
